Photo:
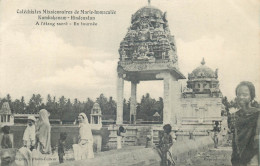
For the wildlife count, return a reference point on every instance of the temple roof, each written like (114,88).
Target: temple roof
(203,71)
(148,12)
(96,110)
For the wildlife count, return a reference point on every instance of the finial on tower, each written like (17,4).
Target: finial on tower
(203,62)
(149,2)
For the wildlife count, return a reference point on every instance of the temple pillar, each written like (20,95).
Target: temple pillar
(166,101)
(133,102)
(176,103)
(167,106)
(120,99)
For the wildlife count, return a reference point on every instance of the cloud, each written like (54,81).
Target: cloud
(42,60)
(81,62)
(94,77)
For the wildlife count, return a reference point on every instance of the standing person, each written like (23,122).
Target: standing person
(61,146)
(216,131)
(165,144)
(6,140)
(43,132)
(246,126)
(84,148)
(29,134)
(120,136)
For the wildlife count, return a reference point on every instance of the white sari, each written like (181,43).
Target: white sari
(84,149)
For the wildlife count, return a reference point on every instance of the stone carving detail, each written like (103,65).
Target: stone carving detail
(148,66)
(148,38)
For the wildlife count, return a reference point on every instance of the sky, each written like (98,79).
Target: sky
(80,62)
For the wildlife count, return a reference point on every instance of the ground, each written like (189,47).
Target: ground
(213,157)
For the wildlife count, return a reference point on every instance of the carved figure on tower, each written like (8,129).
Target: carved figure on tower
(149,37)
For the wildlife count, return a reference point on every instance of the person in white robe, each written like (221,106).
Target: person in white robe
(84,148)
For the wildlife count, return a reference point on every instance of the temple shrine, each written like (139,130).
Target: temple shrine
(201,102)
(148,52)
(6,116)
(96,117)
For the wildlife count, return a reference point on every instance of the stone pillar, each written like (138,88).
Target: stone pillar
(171,99)
(133,102)
(120,99)
(176,103)
(166,100)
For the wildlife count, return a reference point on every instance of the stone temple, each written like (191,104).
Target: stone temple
(148,52)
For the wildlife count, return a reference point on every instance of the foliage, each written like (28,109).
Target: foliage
(67,110)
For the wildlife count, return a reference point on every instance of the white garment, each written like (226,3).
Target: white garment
(84,149)
(82,152)
(29,135)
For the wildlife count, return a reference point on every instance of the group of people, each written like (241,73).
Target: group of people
(245,129)
(37,139)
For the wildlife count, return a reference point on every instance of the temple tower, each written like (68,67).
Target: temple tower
(148,53)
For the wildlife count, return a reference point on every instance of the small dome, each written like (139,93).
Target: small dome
(96,106)
(202,72)
(96,109)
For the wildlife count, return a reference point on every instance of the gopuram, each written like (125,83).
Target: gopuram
(147,53)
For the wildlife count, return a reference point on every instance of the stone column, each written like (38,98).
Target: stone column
(167,79)
(120,99)
(133,102)
(176,103)
(166,100)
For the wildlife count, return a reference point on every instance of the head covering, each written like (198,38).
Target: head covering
(44,116)
(85,118)
(44,131)
(85,128)
(31,118)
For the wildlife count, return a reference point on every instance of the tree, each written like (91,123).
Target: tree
(61,106)
(102,101)
(226,105)
(22,105)
(88,106)
(35,103)
(147,107)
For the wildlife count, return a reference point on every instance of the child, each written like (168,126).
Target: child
(29,134)
(165,143)
(246,126)
(6,140)
(61,146)
(120,135)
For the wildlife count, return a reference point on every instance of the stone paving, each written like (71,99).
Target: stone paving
(213,157)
